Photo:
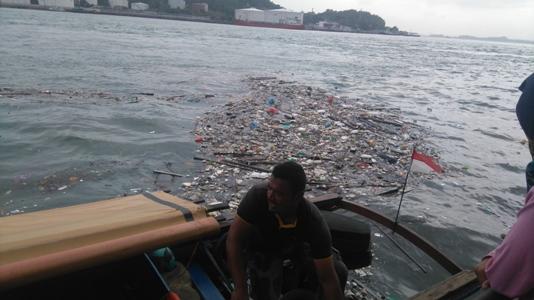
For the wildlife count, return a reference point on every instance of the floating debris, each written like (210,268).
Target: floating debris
(345,145)
(83,95)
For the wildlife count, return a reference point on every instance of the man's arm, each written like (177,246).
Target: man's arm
(326,273)
(237,235)
(509,268)
(480,271)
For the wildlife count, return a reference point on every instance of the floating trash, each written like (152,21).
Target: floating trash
(199,139)
(345,145)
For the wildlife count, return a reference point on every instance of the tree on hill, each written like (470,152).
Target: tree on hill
(358,20)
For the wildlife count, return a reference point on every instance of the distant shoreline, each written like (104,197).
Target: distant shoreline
(483,39)
(159,15)
(120,12)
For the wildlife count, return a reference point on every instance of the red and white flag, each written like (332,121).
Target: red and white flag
(424,163)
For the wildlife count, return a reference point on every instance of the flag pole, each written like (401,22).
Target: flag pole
(403,189)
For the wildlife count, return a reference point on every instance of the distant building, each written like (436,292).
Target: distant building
(284,16)
(330,26)
(118,3)
(177,4)
(15,2)
(276,18)
(250,15)
(57,3)
(199,8)
(92,2)
(139,6)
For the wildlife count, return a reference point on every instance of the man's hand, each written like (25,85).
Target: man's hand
(238,234)
(327,275)
(240,294)
(480,270)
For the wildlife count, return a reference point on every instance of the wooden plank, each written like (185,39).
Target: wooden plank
(447,287)
(37,267)
(33,234)
(406,233)
(167,173)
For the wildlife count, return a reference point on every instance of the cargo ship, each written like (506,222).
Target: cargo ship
(274,18)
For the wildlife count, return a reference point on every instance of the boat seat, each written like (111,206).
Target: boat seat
(46,243)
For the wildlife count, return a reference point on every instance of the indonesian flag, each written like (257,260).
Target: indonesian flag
(424,163)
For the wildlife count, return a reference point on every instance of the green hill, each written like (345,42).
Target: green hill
(357,20)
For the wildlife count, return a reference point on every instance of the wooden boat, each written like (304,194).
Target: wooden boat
(100,250)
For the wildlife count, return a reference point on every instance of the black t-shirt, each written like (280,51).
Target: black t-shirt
(311,229)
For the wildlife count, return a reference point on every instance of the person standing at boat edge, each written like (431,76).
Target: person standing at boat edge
(275,226)
(509,269)
(525,115)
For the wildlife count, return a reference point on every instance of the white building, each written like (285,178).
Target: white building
(16,2)
(250,15)
(139,6)
(57,3)
(279,18)
(331,26)
(199,7)
(118,3)
(92,2)
(177,4)
(284,16)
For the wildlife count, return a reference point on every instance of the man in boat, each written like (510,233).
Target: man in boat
(509,269)
(282,242)
(525,115)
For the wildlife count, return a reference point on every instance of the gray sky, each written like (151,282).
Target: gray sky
(483,18)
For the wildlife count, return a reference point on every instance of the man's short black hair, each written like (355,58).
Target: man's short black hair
(293,173)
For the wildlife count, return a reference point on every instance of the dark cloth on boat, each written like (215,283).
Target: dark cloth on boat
(525,108)
(491,295)
(293,279)
(310,229)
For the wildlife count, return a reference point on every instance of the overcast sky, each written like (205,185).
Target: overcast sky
(483,18)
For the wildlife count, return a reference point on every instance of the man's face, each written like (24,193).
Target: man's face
(280,197)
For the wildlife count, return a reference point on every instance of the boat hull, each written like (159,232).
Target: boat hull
(269,25)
